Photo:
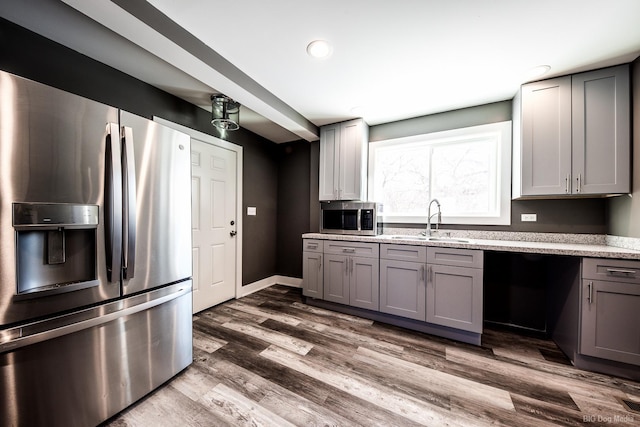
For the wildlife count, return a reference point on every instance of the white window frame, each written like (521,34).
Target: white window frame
(501,131)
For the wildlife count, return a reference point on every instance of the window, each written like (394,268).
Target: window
(468,170)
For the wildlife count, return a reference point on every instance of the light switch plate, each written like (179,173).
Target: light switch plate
(528,217)
(252,210)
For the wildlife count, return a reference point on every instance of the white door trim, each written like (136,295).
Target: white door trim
(209,139)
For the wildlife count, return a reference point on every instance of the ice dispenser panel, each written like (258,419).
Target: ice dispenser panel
(55,247)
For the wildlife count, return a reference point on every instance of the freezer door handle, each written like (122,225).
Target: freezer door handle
(129,202)
(16,338)
(113,203)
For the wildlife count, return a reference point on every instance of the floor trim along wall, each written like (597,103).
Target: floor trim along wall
(293,282)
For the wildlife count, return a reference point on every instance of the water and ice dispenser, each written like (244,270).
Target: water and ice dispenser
(56,247)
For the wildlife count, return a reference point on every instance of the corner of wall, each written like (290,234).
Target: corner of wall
(623,210)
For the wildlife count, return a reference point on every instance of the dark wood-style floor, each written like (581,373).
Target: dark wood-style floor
(270,360)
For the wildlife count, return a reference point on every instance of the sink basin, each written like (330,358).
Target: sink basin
(409,237)
(432,239)
(448,239)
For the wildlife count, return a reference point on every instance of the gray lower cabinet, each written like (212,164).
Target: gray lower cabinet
(336,278)
(402,280)
(610,310)
(454,288)
(312,268)
(351,274)
(438,285)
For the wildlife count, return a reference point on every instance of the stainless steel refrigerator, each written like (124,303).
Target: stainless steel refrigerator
(95,256)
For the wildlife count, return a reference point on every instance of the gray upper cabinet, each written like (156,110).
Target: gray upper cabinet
(610,310)
(601,131)
(546,137)
(343,161)
(574,135)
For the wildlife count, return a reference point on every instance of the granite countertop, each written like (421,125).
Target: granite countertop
(534,243)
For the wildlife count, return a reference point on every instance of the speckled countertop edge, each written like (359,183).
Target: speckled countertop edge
(598,246)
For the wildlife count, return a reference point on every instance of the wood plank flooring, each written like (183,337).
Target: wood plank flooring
(270,360)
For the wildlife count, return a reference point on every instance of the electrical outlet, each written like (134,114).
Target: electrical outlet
(252,211)
(528,217)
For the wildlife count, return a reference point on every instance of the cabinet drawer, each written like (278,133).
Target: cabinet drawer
(312,245)
(371,250)
(403,252)
(611,270)
(456,257)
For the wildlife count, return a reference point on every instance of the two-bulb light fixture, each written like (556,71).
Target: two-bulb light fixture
(225,112)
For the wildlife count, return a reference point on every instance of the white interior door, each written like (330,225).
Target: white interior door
(214,224)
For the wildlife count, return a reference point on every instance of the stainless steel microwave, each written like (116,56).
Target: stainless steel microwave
(360,218)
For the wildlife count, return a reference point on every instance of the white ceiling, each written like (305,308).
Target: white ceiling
(390,61)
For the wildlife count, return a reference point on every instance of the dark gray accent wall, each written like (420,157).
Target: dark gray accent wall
(27,54)
(293,206)
(624,211)
(314,188)
(260,235)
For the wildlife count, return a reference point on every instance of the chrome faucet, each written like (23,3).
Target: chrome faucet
(429,216)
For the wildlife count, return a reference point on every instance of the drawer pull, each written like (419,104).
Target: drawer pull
(349,250)
(312,246)
(619,272)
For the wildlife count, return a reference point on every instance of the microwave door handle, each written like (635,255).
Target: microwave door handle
(113,203)
(129,204)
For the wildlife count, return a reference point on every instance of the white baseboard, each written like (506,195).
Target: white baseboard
(293,282)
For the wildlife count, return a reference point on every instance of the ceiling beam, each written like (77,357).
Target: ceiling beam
(142,24)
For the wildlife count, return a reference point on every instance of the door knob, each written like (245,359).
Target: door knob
(233,233)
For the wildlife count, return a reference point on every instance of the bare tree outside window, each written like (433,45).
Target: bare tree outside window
(463,168)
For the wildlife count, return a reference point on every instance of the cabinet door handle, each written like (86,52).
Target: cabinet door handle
(430,274)
(619,272)
(590,292)
(422,273)
(567,184)
(320,263)
(578,182)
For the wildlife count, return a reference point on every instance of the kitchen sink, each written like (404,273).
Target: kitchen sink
(448,239)
(409,237)
(432,239)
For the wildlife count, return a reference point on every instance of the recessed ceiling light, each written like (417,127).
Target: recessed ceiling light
(538,71)
(319,49)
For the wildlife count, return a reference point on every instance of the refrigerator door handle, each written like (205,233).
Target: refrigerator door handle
(129,202)
(113,203)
